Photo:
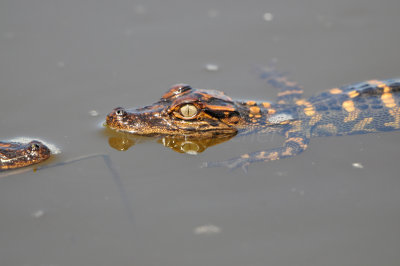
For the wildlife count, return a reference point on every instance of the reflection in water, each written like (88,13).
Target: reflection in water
(123,141)
(191,146)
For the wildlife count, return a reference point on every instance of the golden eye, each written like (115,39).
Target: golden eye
(188,110)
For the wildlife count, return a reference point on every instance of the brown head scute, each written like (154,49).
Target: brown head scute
(16,155)
(176,90)
(181,111)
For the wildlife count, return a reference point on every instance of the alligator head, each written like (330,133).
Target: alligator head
(182,112)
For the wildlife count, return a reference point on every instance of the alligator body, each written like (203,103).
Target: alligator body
(184,112)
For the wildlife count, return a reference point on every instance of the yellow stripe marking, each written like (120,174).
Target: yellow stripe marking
(352,116)
(331,128)
(296,128)
(315,119)
(266,105)
(353,94)
(273,156)
(298,141)
(301,102)
(361,125)
(309,109)
(351,109)
(385,87)
(254,109)
(335,91)
(375,82)
(348,106)
(261,155)
(221,108)
(387,99)
(287,152)
(395,112)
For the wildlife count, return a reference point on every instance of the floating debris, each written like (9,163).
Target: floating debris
(357,165)
(208,229)
(300,191)
(93,113)
(279,173)
(268,17)
(211,67)
(38,214)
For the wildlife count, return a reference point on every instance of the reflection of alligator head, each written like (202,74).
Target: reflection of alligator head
(122,142)
(186,113)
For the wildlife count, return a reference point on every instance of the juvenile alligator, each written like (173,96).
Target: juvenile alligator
(184,112)
(16,154)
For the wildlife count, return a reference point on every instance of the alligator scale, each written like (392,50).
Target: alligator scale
(184,112)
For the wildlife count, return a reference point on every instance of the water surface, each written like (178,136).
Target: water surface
(60,60)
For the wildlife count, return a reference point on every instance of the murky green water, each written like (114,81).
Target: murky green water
(60,60)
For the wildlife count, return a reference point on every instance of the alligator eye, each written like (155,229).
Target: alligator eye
(35,147)
(120,112)
(188,110)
